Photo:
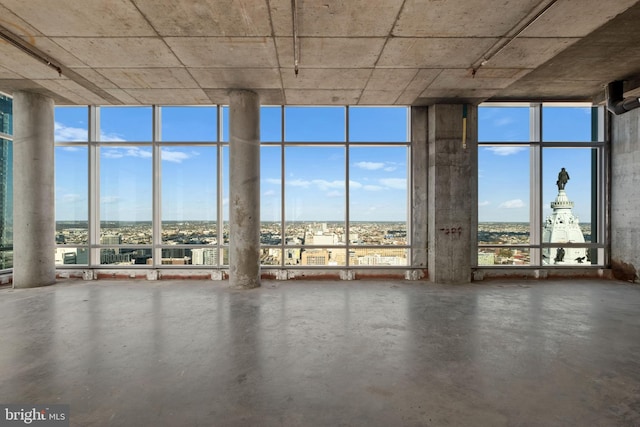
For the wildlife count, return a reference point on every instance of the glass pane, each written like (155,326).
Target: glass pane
(176,256)
(504,256)
(503,124)
(270,124)
(378,124)
(225,123)
(271,193)
(125,256)
(132,124)
(71,124)
(567,179)
(6,203)
(385,257)
(72,255)
(225,194)
(566,124)
(6,115)
(189,124)
(270,256)
(315,195)
(323,256)
(189,195)
(309,124)
(71,172)
(6,259)
(503,195)
(574,256)
(126,193)
(204,256)
(378,195)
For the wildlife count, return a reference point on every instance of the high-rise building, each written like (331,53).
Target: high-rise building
(204,256)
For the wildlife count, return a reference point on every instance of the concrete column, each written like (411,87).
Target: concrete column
(452,193)
(34,223)
(244,189)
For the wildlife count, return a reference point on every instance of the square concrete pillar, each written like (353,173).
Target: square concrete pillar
(452,192)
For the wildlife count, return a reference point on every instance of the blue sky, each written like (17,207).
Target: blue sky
(315,176)
(504,168)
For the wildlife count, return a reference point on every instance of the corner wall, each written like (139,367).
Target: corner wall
(625,196)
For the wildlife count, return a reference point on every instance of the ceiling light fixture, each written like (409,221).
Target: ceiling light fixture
(296,53)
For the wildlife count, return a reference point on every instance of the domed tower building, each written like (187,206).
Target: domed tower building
(563,227)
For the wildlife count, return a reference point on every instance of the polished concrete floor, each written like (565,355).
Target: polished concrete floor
(362,353)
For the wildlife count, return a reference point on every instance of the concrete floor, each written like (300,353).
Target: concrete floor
(362,353)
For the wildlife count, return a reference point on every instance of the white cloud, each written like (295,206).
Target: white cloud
(371,166)
(396,183)
(299,183)
(269,193)
(112,154)
(118,153)
(325,185)
(334,193)
(354,185)
(506,150)
(177,156)
(68,133)
(62,132)
(512,204)
(71,149)
(484,203)
(373,187)
(274,181)
(110,137)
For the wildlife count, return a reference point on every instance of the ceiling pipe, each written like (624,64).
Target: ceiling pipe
(616,103)
(508,38)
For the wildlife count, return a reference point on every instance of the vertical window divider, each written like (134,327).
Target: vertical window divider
(156,233)
(94,185)
(282,189)
(604,176)
(409,190)
(220,188)
(535,197)
(347,226)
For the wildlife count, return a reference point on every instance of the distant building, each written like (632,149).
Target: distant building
(204,256)
(563,227)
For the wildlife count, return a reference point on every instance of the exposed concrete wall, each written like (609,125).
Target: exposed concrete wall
(33,191)
(452,193)
(419,172)
(625,196)
(244,189)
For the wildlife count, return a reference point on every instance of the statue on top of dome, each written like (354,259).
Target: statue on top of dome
(563,177)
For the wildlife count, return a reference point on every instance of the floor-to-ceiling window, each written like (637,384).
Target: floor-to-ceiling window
(541,171)
(6,182)
(149,186)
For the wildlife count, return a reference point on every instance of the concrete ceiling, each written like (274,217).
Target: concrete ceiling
(367,52)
